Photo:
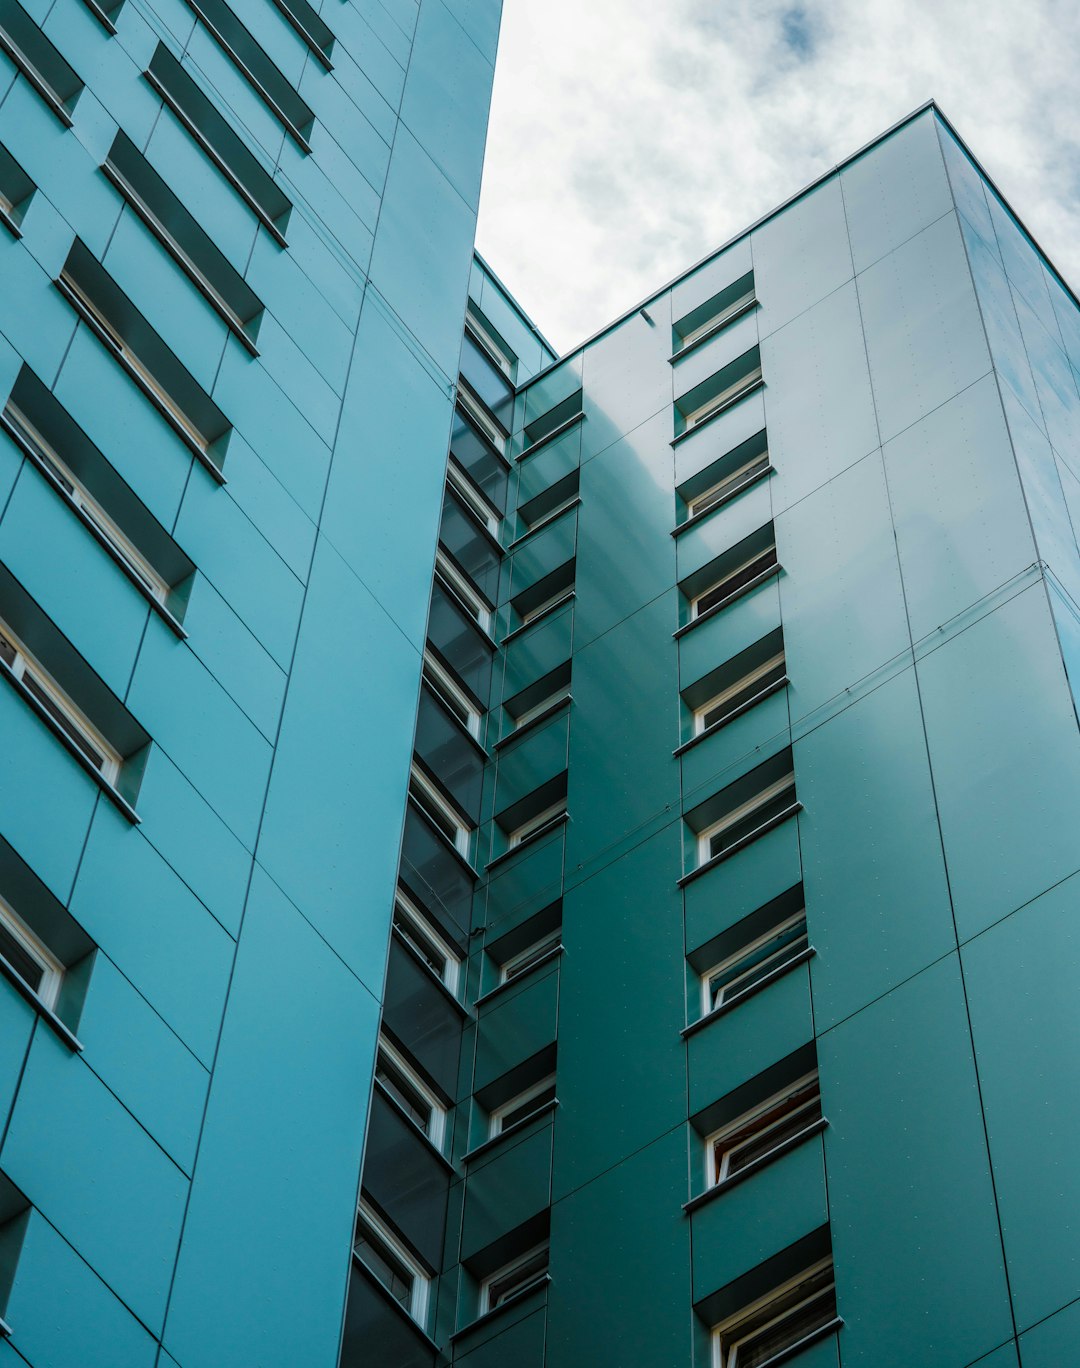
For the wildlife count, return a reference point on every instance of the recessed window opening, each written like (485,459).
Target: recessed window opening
(555,417)
(764,1130)
(743,575)
(726,396)
(487,516)
(432,948)
(725,315)
(524,960)
(732,699)
(558,695)
(523,1106)
(536,824)
(440,812)
(751,963)
(715,313)
(515,1279)
(78,496)
(742,821)
(478,415)
(463,591)
(387,1257)
(39,60)
(559,596)
(21,665)
(16,190)
(729,485)
(489,340)
(29,957)
(449,692)
(761,1333)
(404,1084)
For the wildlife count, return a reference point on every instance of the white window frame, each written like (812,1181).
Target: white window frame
(541,608)
(782,954)
(76,494)
(743,811)
(695,603)
(428,797)
(463,591)
(557,696)
(483,338)
(476,415)
(443,684)
(495,1120)
(524,960)
(436,1131)
(422,929)
(755,1318)
(708,498)
(534,824)
(726,396)
(132,360)
(420,1292)
(482,511)
(726,315)
(732,691)
(26,667)
(714,1173)
(529,1284)
(52,970)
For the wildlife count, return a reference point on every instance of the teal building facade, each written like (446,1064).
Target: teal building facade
(509,859)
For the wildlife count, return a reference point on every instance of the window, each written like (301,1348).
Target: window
(478,415)
(546,506)
(554,420)
(532,825)
(37,681)
(716,313)
(733,699)
(77,495)
(29,957)
(735,581)
(794,1312)
(464,592)
(442,683)
(731,484)
(720,320)
(749,965)
(726,396)
(493,345)
(523,1106)
(524,1274)
(764,1130)
(481,510)
(16,191)
(414,927)
(392,1264)
(307,22)
(776,799)
(400,1079)
(440,812)
(38,60)
(558,695)
(524,960)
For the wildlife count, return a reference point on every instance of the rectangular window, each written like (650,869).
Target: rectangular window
(39,61)
(464,592)
(743,576)
(524,960)
(478,415)
(70,486)
(515,1279)
(440,812)
(536,824)
(730,485)
(763,1131)
(778,1323)
(777,798)
(29,957)
(311,27)
(400,1079)
(754,962)
(489,340)
(487,516)
(414,927)
(729,395)
(539,429)
(523,1106)
(757,682)
(449,691)
(392,1263)
(545,605)
(16,191)
(21,665)
(558,695)
(716,313)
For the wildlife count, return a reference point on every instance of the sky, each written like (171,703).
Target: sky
(629,138)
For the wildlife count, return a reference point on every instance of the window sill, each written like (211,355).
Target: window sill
(529,840)
(740,844)
(732,1002)
(435,980)
(12,227)
(720,327)
(540,617)
(725,499)
(444,841)
(200,453)
(493,1141)
(822,1332)
(28,70)
(549,957)
(101,16)
(763,1161)
(103,784)
(739,593)
(394,1304)
(722,722)
(5,1330)
(551,436)
(46,1013)
(717,413)
(414,1129)
(533,722)
(544,522)
(507,1305)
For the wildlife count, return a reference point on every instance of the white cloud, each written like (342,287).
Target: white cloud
(631,137)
